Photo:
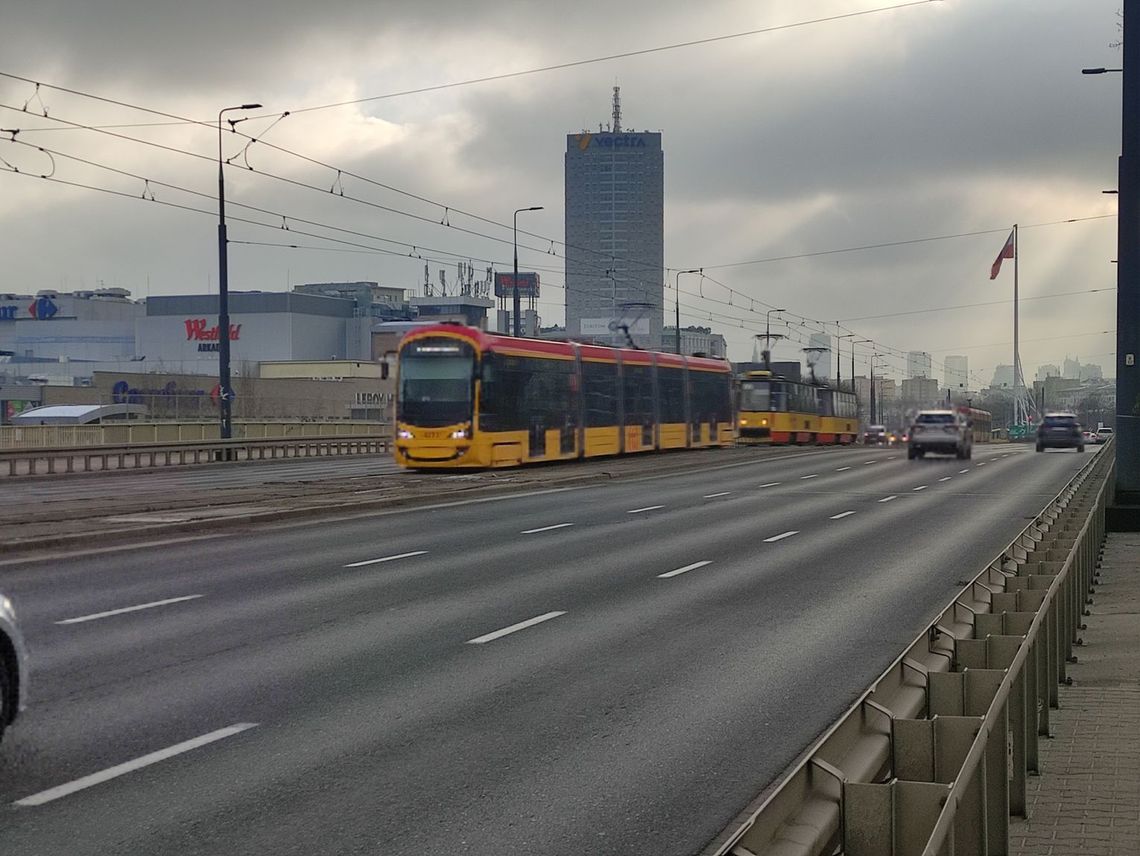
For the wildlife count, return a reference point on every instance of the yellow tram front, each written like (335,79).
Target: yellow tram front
(436,399)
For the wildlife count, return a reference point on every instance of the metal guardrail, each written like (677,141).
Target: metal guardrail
(129,432)
(70,459)
(932,759)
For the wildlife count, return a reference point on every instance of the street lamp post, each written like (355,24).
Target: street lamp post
(518,301)
(873,402)
(768,338)
(677,294)
(225,394)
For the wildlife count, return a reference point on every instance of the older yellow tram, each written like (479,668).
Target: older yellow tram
(779,411)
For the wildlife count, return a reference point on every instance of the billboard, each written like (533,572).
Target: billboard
(505,285)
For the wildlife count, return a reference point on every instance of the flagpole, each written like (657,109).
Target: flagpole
(1016,358)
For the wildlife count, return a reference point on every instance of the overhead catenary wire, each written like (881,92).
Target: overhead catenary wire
(645,289)
(691,311)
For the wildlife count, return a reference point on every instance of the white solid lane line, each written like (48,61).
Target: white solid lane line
(841,515)
(715,495)
(647,508)
(842,469)
(812,476)
(782,536)
(514,628)
(130,766)
(110,612)
(920,487)
(683,570)
(386,559)
(546,528)
(889,498)
(770,484)
(946,478)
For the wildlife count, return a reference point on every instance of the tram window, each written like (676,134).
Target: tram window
(709,397)
(779,402)
(637,389)
(599,386)
(520,393)
(827,403)
(671,388)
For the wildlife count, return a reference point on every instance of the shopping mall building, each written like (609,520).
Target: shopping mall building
(330,337)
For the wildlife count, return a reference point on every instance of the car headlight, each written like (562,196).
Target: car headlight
(405,435)
(461,434)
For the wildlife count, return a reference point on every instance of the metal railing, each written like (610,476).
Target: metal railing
(108,458)
(932,759)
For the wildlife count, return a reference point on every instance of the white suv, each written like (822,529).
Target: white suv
(943,431)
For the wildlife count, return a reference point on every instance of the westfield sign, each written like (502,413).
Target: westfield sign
(199,330)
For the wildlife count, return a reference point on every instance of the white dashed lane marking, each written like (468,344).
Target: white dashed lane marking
(683,570)
(841,515)
(514,628)
(97,615)
(715,495)
(546,528)
(386,559)
(888,498)
(647,508)
(130,766)
(782,536)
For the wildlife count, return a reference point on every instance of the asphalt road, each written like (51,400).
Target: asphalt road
(609,669)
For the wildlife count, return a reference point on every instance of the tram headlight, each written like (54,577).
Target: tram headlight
(461,434)
(743,421)
(404,434)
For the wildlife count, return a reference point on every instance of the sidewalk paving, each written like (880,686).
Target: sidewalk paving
(1086,802)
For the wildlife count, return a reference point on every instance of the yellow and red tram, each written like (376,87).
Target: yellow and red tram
(778,411)
(466,398)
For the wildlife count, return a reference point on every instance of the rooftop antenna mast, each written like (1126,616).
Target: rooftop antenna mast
(617,110)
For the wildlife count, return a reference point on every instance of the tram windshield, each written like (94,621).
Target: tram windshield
(755,395)
(436,382)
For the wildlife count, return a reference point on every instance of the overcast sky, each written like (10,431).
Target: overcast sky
(937,119)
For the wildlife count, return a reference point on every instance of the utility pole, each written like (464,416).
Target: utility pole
(1128,273)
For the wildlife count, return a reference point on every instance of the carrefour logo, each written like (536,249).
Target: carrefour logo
(42,308)
(611,141)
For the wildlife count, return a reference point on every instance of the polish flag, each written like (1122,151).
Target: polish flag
(1006,253)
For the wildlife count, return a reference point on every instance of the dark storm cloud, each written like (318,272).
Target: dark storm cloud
(935,120)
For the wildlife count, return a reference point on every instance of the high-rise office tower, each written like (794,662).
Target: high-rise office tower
(615,234)
(957,373)
(821,356)
(918,364)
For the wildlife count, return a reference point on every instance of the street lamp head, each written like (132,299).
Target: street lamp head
(250,106)
(535,208)
(1100,70)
